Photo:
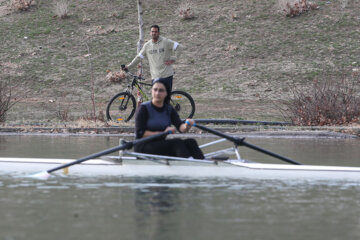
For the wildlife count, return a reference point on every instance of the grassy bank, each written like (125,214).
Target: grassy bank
(241,57)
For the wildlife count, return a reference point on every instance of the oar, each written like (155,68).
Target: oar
(241,141)
(127,145)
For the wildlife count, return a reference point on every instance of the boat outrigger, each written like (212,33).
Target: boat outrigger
(222,163)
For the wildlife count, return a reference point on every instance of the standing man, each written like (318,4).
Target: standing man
(161,54)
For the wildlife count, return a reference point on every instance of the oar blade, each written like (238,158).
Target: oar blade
(43,175)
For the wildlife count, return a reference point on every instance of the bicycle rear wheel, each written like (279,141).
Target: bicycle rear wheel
(183,103)
(121,107)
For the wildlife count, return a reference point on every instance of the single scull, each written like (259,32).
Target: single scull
(216,165)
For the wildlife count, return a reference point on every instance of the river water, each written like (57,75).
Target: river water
(174,208)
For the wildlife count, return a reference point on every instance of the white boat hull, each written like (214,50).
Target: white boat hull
(144,168)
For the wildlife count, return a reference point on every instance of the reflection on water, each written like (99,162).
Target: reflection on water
(163,208)
(178,208)
(153,205)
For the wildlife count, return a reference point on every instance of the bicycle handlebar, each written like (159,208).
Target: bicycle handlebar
(124,68)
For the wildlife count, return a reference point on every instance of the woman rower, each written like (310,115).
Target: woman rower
(157,116)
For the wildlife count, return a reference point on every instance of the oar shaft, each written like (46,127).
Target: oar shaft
(240,141)
(95,155)
(127,145)
(270,153)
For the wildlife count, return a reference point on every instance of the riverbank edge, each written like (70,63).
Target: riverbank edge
(251,131)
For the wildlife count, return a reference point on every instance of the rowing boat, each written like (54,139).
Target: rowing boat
(129,163)
(183,168)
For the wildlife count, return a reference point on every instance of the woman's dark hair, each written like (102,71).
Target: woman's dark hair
(155,26)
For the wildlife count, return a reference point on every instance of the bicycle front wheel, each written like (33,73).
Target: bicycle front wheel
(183,104)
(121,107)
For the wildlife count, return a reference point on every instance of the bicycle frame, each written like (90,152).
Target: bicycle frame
(135,83)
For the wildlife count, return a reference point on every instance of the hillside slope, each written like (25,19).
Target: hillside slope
(241,57)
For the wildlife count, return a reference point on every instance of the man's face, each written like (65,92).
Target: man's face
(154,34)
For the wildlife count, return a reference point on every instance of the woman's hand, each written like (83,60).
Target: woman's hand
(185,127)
(189,122)
(172,130)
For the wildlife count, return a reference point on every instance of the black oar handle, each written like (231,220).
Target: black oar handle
(241,141)
(126,145)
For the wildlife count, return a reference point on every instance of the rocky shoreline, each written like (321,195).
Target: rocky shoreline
(250,131)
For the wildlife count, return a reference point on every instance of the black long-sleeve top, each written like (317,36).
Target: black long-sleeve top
(152,118)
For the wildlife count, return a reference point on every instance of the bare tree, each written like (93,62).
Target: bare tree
(7,99)
(140,43)
(141,33)
(92,94)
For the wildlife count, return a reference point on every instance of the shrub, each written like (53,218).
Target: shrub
(325,103)
(298,7)
(60,107)
(5,97)
(115,77)
(61,8)
(21,5)
(62,113)
(344,3)
(185,10)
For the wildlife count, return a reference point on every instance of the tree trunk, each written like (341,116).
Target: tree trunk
(140,44)
(141,33)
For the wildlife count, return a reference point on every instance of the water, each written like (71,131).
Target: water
(174,208)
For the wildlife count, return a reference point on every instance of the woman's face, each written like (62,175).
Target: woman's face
(158,92)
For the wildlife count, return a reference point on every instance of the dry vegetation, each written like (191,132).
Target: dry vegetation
(21,5)
(60,107)
(61,8)
(5,98)
(186,11)
(115,77)
(329,102)
(9,96)
(298,7)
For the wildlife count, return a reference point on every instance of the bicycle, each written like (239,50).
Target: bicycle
(122,106)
